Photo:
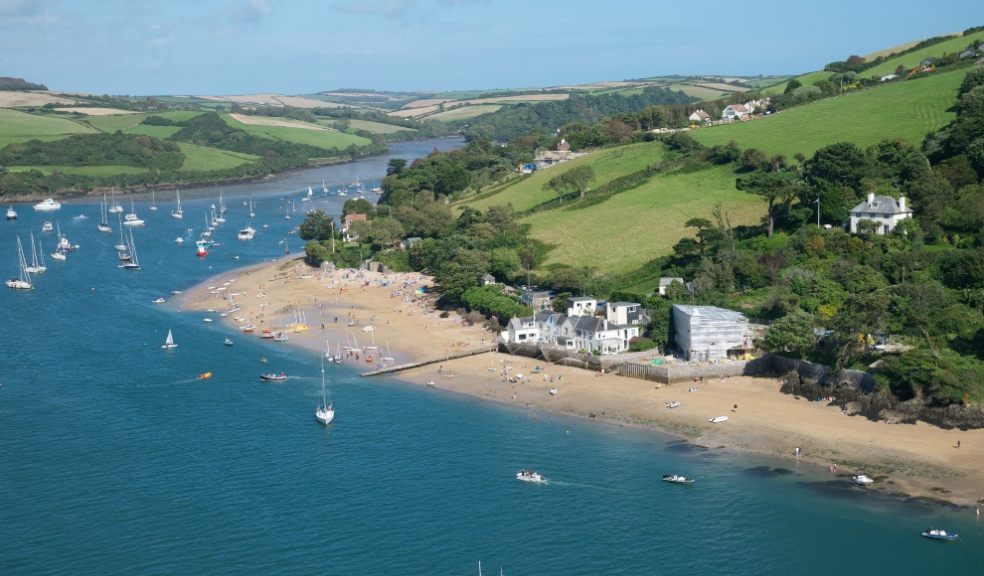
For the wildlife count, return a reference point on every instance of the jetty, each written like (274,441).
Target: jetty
(447,357)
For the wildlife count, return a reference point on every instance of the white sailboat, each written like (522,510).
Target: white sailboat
(325,412)
(36,267)
(324,189)
(103,225)
(23,281)
(131,219)
(115,208)
(121,247)
(251,213)
(388,357)
(153,201)
(222,206)
(169,341)
(310,193)
(178,212)
(133,263)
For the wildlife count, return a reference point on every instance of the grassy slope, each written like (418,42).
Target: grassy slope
(204,159)
(907,110)
(631,228)
(374,127)
(20,127)
(324,139)
(128,122)
(699,91)
(607,164)
(464,112)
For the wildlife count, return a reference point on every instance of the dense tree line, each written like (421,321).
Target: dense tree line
(19,84)
(547,117)
(115,149)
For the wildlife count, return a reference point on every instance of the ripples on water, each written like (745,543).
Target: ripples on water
(114,459)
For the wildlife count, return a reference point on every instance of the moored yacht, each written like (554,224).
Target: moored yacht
(530,476)
(246,233)
(11,213)
(47,205)
(677,479)
(23,281)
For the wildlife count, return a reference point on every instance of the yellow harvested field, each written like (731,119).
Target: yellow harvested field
(465,112)
(721,86)
(425,102)
(414,112)
(420,111)
(270,121)
(95,111)
(273,100)
(14,99)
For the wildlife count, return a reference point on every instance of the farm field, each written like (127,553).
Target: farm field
(326,139)
(631,228)
(18,126)
(200,158)
(906,110)
(607,164)
(107,170)
(378,127)
(125,122)
(913,59)
(464,112)
(702,92)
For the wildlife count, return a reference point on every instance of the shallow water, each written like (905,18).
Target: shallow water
(115,459)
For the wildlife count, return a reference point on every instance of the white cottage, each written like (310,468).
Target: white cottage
(886,212)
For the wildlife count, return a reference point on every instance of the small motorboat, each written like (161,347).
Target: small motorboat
(47,226)
(531,477)
(204,375)
(938,534)
(862,479)
(280,337)
(206,320)
(11,213)
(717,419)
(227,342)
(677,479)
(271,377)
(672,404)
(159,301)
(266,335)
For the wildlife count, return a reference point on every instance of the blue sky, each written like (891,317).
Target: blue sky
(300,46)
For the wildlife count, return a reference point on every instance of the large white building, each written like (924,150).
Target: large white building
(579,329)
(886,212)
(708,333)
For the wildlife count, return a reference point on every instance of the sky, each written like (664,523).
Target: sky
(142,47)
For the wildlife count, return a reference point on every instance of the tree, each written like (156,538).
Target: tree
(316,226)
(773,187)
(792,85)
(358,206)
(792,333)
(573,181)
(395,166)
(841,164)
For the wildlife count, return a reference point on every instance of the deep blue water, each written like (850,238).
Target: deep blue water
(114,459)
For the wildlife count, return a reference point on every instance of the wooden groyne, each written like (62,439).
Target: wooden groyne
(410,365)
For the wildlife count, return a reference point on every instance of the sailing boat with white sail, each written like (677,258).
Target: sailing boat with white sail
(133,263)
(153,201)
(36,267)
(169,341)
(103,225)
(115,208)
(178,212)
(131,219)
(251,213)
(325,412)
(23,281)
(121,247)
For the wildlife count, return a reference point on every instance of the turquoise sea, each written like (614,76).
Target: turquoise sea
(115,459)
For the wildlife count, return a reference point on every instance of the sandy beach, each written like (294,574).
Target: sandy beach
(391,319)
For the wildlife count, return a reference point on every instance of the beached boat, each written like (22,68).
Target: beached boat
(272,377)
(677,479)
(169,341)
(553,391)
(717,419)
(672,404)
(325,412)
(531,477)
(23,281)
(247,328)
(280,337)
(938,534)
(11,213)
(862,479)
(47,205)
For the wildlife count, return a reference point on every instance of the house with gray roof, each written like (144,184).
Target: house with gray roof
(488,279)
(580,330)
(537,300)
(666,281)
(709,333)
(886,212)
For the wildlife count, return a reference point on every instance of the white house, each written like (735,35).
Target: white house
(735,112)
(699,116)
(666,282)
(579,329)
(708,333)
(886,212)
(488,279)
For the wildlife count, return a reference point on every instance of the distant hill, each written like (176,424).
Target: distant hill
(19,84)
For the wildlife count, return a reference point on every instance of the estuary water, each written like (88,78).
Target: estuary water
(116,459)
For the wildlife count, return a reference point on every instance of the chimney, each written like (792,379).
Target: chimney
(902,203)
(871,197)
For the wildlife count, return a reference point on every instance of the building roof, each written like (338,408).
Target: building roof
(623,304)
(667,280)
(488,277)
(712,312)
(349,218)
(879,205)
(581,299)
(700,114)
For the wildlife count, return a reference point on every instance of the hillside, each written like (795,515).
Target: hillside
(18,126)
(906,110)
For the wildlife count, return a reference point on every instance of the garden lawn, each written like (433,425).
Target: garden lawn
(629,229)
(907,110)
(18,126)
(608,164)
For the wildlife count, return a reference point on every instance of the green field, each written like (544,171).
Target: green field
(200,158)
(325,139)
(377,127)
(699,91)
(85,170)
(906,110)
(607,164)
(631,228)
(464,112)
(20,127)
(913,59)
(126,122)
